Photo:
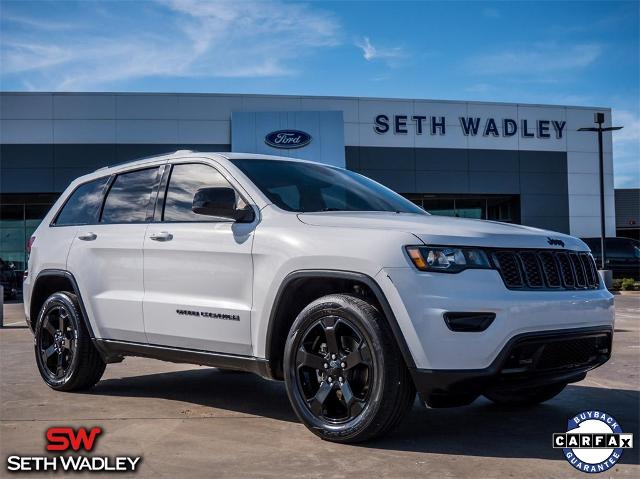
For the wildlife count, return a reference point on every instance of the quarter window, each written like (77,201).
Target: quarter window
(129,197)
(185,181)
(83,206)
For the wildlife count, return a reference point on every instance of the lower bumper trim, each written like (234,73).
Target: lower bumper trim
(528,360)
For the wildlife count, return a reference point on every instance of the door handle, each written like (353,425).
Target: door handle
(162,236)
(87,236)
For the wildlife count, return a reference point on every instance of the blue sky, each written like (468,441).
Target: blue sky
(577,53)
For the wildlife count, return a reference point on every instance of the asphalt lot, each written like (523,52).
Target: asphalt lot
(191,421)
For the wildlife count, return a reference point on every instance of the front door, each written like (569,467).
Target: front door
(198,271)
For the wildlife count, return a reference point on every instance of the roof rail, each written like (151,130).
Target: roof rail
(151,157)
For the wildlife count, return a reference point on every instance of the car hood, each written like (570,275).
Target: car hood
(444,230)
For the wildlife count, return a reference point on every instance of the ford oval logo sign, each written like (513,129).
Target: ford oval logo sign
(287,139)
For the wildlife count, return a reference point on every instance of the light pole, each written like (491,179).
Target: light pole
(598,118)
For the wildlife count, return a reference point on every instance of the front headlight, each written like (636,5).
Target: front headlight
(447,259)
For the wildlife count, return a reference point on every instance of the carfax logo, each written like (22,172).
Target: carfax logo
(68,440)
(594,441)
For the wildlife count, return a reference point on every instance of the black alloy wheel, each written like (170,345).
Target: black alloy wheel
(345,376)
(57,342)
(334,369)
(65,355)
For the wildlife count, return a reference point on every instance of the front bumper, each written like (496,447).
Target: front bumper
(527,361)
(420,300)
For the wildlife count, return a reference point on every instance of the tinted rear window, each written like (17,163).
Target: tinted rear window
(129,197)
(83,206)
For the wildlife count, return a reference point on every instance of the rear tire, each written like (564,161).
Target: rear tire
(65,355)
(526,397)
(344,373)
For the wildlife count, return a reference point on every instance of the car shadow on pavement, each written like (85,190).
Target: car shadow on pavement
(221,389)
(480,429)
(485,429)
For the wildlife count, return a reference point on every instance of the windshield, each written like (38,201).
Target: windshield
(308,187)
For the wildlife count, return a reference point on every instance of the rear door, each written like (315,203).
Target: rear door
(106,257)
(198,270)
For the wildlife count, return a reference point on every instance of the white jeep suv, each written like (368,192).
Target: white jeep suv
(314,275)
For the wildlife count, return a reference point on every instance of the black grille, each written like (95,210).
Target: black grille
(532,269)
(546,269)
(566,270)
(552,354)
(581,280)
(510,269)
(551,269)
(590,268)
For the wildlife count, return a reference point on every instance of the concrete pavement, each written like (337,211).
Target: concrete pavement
(191,421)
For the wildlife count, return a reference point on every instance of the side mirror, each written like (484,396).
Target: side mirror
(220,202)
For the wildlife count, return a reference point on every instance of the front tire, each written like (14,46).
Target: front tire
(526,397)
(344,373)
(66,357)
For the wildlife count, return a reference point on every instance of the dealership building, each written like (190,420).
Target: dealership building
(518,163)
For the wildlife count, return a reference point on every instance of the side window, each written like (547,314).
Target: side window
(83,206)
(129,196)
(185,181)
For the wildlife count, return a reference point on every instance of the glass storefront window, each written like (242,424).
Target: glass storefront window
(471,208)
(439,207)
(503,209)
(495,208)
(17,224)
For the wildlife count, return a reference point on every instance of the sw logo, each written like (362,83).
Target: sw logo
(594,441)
(65,438)
(70,441)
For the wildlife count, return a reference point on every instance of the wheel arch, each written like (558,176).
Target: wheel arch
(301,287)
(51,281)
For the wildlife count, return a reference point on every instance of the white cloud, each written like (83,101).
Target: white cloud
(41,24)
(232,39)
(370,52)
(536,59)
(24,56)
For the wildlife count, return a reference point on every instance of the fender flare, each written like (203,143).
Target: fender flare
(348,275)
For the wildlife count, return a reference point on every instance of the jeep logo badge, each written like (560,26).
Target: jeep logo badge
(555,242)
(287,139)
